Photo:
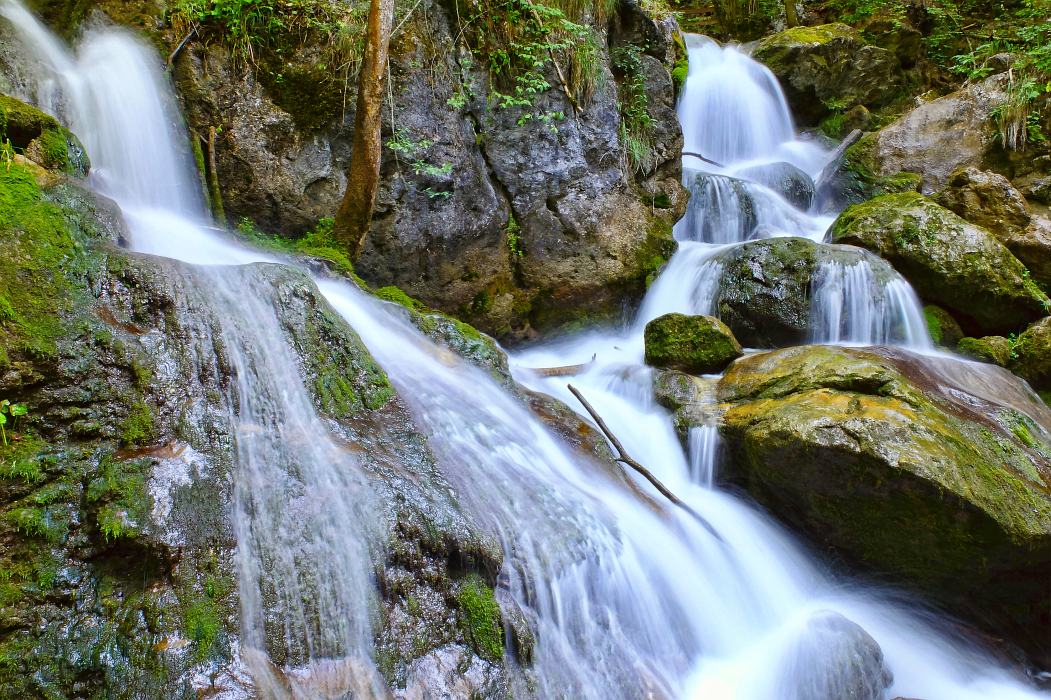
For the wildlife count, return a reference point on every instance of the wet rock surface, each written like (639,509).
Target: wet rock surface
(697,344)
(866,450)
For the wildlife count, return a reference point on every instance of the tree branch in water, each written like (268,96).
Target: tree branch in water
(624,458)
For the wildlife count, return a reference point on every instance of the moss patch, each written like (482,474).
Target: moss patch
(480,618)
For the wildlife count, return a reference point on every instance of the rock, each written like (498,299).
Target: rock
(921,469)
(830,64)
(41,138)
(695,344)
(836,658)
(765,288)
(987,199)
(721,208)
(1036,187)
(1032,354)
(949,261)
(992,348)
(944,329)
(856,181)
(1032,247)
(511,218)
(786,179)
(940,136)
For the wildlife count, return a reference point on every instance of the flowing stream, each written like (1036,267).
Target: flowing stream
(629,600)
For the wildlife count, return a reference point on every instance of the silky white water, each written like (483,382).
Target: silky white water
(630,599)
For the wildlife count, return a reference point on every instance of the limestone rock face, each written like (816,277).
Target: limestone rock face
(923,469)
(938,137)
(697,344)
(949,261)
(512,218)
(830,63)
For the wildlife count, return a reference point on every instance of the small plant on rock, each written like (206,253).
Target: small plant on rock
(13,412)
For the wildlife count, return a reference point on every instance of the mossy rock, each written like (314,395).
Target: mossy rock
(944,329)
(695,344)
(1032,354)
(991,348)
(828,65)
(950,262)
(924,484)
(41,138)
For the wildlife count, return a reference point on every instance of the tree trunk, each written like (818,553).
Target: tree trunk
(791,18)
(355,212)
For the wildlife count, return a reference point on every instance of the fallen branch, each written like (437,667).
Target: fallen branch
(182,44)
(624,458)
(563,371)
(836,160)
(700,157)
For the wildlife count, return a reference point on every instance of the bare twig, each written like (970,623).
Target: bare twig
(624,458)
(182,44)
(700,157)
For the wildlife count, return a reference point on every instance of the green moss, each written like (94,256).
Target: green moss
(657,248)
(39,256)
(309,93)
(120,497)
(994,349)
(480,618)
(202,625)
(138,428)
(682,63)
(21,460)
(696,344)
(396,295)
(317,243)
(55,149)
(21,123)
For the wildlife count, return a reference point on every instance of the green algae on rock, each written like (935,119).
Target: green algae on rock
(697,344)
(991,348)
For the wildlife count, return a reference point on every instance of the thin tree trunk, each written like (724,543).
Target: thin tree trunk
(791,18)
(355,212)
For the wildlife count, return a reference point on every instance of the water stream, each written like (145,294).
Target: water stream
(629,600)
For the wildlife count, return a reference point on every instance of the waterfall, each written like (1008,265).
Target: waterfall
(628,599)
(849,305)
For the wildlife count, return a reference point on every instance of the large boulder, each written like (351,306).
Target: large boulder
(920,469)
(949,261)
(696,344)
(830,64)
(765,288)
(940,136)
(991,348)
(944,329)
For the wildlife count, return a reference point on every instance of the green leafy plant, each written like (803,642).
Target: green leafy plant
(636,124)
(12,411)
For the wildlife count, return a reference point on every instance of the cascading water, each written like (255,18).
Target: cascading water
(851,306)
(629,599)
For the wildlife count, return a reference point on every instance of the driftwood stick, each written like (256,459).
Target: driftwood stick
(182,44)
(700,157)
(624,458)
(564,370)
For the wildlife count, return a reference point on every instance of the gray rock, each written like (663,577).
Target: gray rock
(786,179)
(835,658)
(987,199)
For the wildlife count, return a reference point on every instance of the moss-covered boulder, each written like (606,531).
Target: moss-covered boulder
(912,467)
(697,344)
(949,261)
(991,348)
(1032,354)
(830,65)
(41,138)
(944,329)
